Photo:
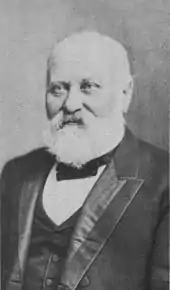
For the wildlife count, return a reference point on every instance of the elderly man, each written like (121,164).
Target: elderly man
(88,211)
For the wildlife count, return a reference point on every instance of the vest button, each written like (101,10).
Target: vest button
(55,258)
(49,282)
(84,282)
(63,287)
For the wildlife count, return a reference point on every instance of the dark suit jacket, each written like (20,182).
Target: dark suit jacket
(121,238)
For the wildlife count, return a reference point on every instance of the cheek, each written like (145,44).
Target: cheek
(53,105)
(104,105)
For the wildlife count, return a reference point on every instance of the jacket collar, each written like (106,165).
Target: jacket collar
(126,156)
(30,189)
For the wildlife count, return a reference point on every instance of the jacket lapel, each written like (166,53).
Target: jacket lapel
(101,213)
(29,193)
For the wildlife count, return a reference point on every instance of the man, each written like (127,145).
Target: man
(90,209)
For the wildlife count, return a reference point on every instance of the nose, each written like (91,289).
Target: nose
(73,101)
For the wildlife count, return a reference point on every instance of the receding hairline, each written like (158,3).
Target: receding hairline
(87,35)
(92,37)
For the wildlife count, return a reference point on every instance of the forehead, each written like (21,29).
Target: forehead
(86,56)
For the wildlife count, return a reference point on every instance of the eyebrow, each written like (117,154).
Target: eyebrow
(91,81)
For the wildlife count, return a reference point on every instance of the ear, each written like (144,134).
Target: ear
(127,94)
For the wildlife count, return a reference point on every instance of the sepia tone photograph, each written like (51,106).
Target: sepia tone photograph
(84,147)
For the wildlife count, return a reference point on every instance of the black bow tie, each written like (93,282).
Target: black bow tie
(66,172)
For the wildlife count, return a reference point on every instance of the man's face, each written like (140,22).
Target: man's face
(83,101)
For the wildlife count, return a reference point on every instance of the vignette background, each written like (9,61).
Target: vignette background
(28,30)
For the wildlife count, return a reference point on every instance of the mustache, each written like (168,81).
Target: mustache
(62,120)
(72,119)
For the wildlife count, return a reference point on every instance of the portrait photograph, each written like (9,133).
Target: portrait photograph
(84,146)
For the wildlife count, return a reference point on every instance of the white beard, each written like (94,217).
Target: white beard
(76,145)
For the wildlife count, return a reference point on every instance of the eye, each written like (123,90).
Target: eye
(88,87)
(58,89)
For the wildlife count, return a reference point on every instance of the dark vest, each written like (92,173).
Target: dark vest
(47,251)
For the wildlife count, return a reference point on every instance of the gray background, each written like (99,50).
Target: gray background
(29,28)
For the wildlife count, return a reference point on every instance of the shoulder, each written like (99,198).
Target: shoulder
(146,162)
(155,159)
(157,153)
(135,157)
(154,169)
(25,164)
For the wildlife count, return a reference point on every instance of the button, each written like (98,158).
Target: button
(55,258)
(63,287)
(84,282)
(49,282)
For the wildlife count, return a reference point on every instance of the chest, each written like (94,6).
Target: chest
(62,199)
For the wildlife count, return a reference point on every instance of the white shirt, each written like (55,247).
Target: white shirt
(62,198)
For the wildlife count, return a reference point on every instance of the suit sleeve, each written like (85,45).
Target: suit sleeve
(5,183)
(160,262)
